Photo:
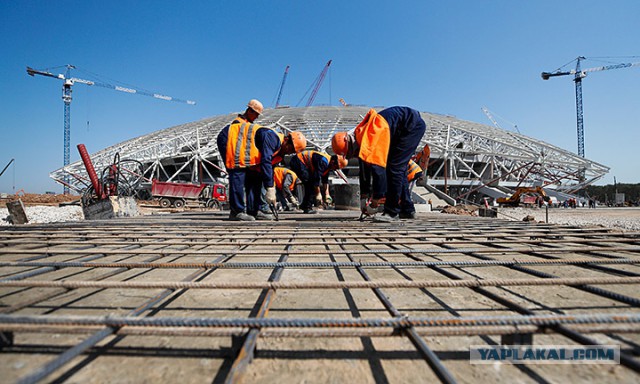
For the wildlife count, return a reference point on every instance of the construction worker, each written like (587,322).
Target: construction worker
(313,168)
(383,142)
(286,182)
(249,151)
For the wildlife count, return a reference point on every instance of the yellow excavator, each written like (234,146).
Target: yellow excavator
(514,200)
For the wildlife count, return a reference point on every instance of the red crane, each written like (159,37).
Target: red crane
(317,83)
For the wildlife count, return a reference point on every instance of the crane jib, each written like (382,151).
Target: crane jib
(123,89)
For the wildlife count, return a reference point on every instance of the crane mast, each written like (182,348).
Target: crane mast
(67,85)
(578,75)
(284,78)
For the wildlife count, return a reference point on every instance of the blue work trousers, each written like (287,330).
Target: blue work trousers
(403,145)
(244,183)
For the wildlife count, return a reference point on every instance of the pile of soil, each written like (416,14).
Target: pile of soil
(44,199)
(463,210)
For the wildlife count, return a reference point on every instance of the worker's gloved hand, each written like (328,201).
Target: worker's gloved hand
(328,200)
(271,195)
(319,199)
(294,201)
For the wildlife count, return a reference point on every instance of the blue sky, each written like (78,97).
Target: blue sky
(448,57)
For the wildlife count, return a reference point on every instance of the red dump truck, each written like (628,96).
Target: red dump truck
(180,194)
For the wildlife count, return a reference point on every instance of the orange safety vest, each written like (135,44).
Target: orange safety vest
(241,148)
(412,170)
(306,157)
(423,157)
(279,174)
(374,136)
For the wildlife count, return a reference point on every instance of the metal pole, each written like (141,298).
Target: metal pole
(547,213)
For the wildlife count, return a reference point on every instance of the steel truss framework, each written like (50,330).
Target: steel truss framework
(464,154)
(113,301)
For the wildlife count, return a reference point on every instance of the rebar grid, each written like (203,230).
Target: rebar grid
(198,276)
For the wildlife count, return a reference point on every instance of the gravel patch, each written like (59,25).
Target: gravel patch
(40,214)
(615,218)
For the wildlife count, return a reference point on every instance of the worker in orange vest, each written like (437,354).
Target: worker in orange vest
(383,142)
(286,182)
(313,168)
(249,151)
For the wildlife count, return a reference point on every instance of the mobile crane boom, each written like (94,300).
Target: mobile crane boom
(6,166)
(284,78)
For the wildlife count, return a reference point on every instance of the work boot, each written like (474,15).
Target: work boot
(310,211)
(385,218)
(264,216)
(241,216)
(407,215)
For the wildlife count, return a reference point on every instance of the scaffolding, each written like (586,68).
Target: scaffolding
(464,155)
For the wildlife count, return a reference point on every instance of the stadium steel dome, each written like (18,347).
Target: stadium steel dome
(468,160)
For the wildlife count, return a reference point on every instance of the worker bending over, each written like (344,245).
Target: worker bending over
(286,181)
(313,169)
(383,142)
(248,150)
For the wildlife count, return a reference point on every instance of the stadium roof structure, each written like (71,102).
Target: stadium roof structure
(464,155)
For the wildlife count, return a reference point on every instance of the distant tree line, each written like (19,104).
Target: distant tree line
(607,193)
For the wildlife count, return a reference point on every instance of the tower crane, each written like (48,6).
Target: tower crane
(68,82)
(317,83)
(578,75)
(284,78)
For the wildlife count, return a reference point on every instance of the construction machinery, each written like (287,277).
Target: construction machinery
(68,82)
(177,195)
(112,194)
(317,83)
(6,166)
(521,196)
(121,178)
(493,120)
(578,75)
(284,79)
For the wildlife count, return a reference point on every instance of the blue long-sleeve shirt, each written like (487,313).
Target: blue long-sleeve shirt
(268,143)
(318,176)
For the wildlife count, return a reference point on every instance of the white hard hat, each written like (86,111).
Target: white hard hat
(256,106)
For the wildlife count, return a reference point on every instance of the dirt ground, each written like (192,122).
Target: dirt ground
(30,199)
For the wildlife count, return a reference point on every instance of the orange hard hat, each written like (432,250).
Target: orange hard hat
(339,143)
(298,140)
(340,161)
(255,105)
